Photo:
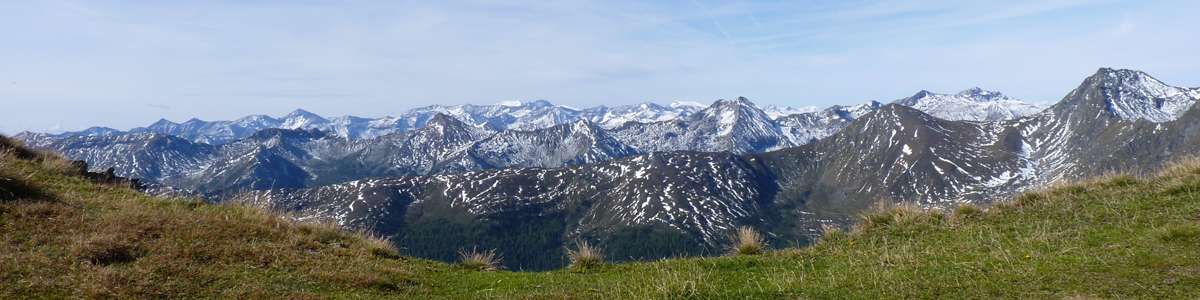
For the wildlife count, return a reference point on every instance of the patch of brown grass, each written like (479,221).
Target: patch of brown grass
(886,213)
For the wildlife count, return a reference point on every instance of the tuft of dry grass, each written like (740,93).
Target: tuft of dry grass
(747,241)
(965,212)
(479,260)
(54,163)
(886,213)
(832,233)
(379,246)
(1182,167)
(585,256)
(1030,199)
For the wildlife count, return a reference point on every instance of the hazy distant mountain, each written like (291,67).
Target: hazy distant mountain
(540,114)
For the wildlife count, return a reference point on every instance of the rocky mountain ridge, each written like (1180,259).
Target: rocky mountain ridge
(688,202)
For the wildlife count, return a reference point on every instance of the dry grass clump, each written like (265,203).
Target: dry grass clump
(885,214)
(379,245)
(965,212)
(585,256)
(479,260)
(1030,199)
(1182,167)
(1117,180)
(54,163)
(831,233)
(747,241)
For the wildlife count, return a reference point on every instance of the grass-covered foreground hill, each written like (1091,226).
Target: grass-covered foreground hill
(63,236)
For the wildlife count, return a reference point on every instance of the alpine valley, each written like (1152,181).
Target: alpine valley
(647,180)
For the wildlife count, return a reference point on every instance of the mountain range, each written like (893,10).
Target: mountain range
(668,180)
(973,104)
(304,149)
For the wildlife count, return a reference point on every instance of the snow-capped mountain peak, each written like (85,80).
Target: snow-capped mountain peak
(974,104)
(1132,95)
(440,122)
(300,118)
(256,120)
(735,102)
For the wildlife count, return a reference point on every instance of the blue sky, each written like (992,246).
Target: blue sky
(65,65)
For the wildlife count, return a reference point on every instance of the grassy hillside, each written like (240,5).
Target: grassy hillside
(1114,237)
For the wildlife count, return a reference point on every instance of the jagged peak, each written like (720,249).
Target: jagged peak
(443,121)
(922,94)
(1128,78)
(1129,95)
(299,112)
(162,122)
(441,118)
(975,94)
(894,113)
(854,111)
(739,101)
(584,124)
(447,126)
(1105,71)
